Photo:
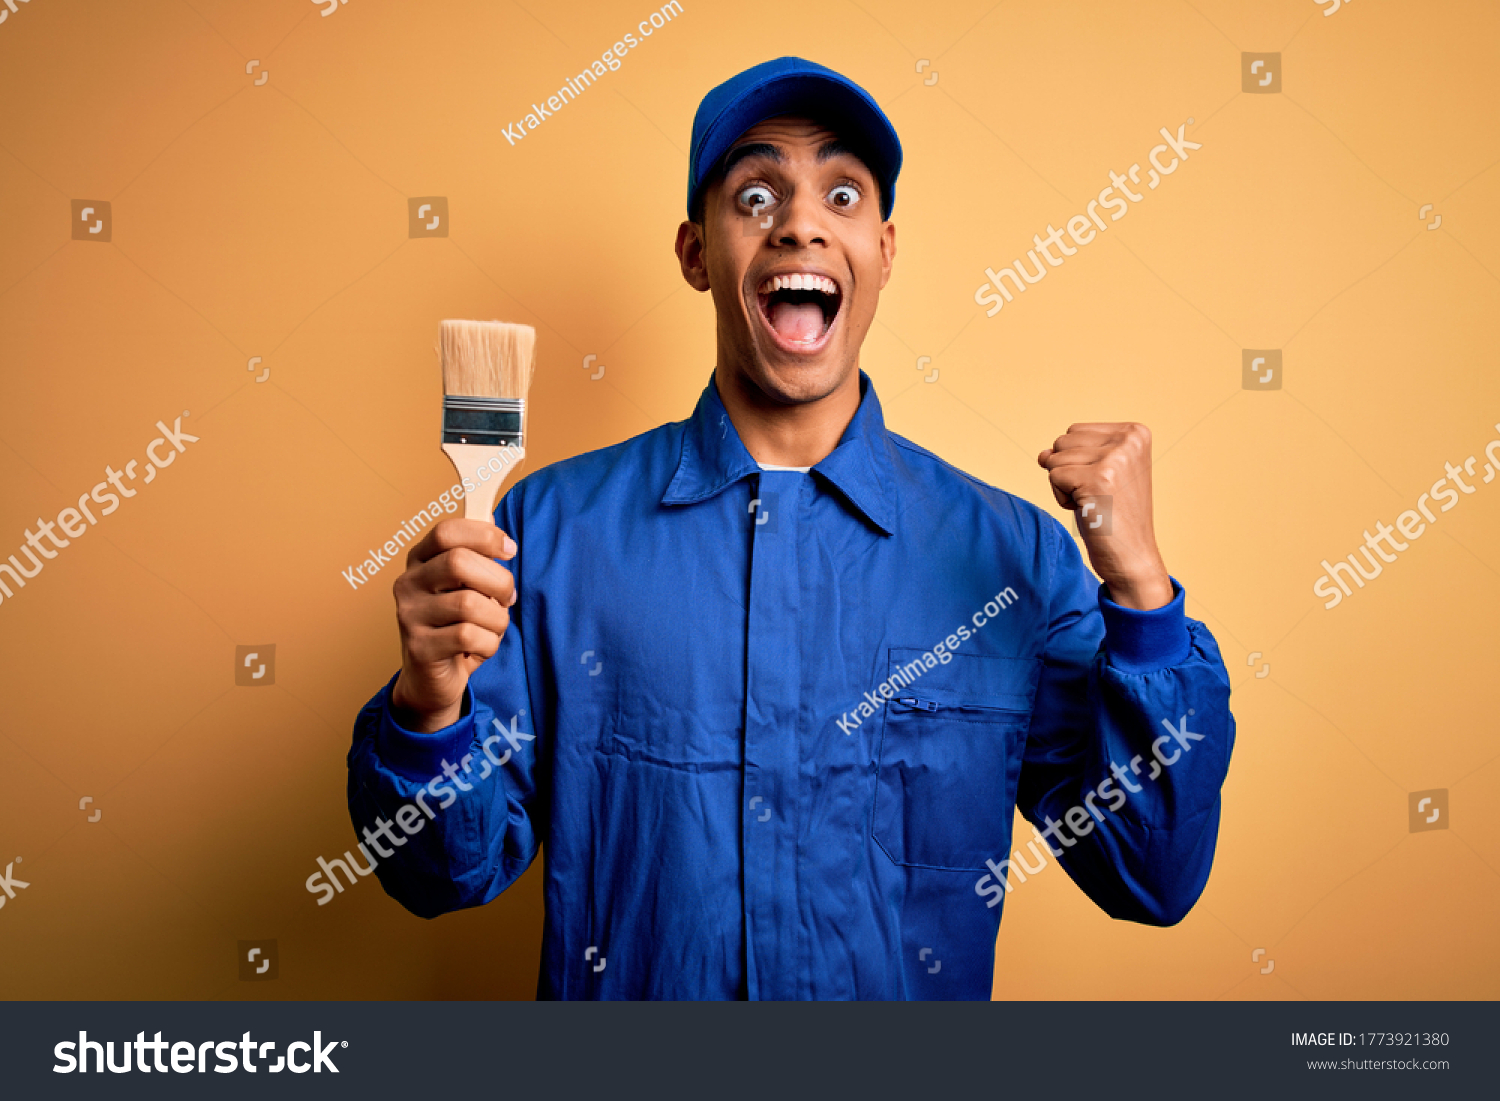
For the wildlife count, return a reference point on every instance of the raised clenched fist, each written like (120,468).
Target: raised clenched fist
(1103,473)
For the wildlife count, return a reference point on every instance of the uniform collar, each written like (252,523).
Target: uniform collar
(860,468)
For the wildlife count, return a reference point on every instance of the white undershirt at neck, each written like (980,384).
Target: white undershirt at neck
(798,469)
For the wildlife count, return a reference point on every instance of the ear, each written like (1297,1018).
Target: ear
(887,252)
(690,254)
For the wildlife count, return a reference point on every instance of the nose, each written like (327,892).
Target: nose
(801,224)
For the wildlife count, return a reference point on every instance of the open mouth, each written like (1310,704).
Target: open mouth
(799,309)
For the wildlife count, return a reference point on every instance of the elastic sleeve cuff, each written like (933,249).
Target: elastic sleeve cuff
(1144,641)
(416,756)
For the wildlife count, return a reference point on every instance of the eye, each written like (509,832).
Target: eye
(756,197)
(844,197)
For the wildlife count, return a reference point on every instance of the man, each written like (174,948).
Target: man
(767,684)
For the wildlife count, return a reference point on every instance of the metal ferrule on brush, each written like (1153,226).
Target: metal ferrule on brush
(487,422)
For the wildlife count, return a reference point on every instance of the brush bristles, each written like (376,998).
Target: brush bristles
(486,359)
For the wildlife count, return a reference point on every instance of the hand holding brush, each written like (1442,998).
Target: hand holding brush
(453,601)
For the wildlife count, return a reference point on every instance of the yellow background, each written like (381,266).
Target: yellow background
(271,220)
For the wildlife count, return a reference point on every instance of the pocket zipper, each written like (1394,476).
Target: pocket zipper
(920,705)
(932,705)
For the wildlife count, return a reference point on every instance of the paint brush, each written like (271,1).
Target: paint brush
(486,373)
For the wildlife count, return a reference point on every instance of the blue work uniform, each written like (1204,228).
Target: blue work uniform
(770,728)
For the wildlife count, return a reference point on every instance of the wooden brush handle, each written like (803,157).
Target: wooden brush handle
(494,463)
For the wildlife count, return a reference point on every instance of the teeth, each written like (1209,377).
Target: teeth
(799,281)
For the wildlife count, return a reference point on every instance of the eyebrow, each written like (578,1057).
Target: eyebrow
(752,149)
(835,148)
(826,152)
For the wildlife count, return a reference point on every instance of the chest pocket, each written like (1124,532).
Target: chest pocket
(950,756)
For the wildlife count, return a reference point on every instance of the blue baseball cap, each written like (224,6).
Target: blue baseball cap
(792,86)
